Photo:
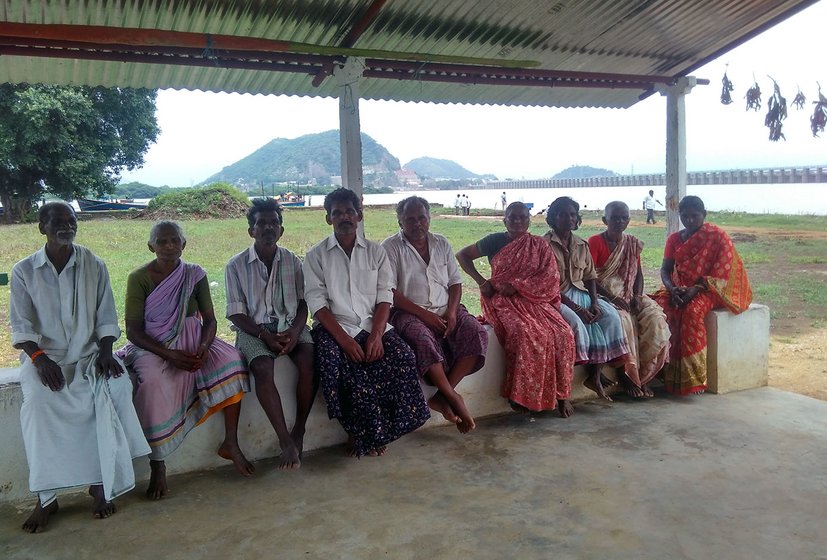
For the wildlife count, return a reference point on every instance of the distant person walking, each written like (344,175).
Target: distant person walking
(649,206)
(503,200)
(457,205)
(465,204)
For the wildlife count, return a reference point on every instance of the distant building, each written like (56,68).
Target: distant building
(408,179)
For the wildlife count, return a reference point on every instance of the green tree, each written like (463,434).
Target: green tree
(69,141)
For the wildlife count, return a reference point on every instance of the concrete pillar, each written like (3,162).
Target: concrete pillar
(675,147)
(350,136)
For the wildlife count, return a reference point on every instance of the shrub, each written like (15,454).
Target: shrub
(218,200)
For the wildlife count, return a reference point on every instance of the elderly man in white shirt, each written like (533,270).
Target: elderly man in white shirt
(448,342)
(79,424)
(367,372)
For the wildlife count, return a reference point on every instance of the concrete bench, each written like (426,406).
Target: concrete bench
(739,361)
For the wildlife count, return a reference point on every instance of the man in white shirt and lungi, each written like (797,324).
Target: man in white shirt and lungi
(79,424)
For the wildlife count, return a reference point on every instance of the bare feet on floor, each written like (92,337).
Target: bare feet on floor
(455,404)
(157,488)
(378,451)
(233,453)
(350,449)
(39,518)
(298,440)
(565,408)
(647,391)
(440,404)
(101,509)
(289,458)
(594,382)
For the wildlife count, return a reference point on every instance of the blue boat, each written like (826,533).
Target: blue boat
(90,205)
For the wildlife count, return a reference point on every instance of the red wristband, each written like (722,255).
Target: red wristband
(36,354)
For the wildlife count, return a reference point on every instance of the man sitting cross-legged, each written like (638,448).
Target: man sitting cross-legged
(449,343)
(265,302)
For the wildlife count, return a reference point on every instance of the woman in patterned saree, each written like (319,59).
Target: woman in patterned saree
(701,271)
(183,373)
(521,301)
(616,257)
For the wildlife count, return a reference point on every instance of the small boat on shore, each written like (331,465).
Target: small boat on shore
(91,205)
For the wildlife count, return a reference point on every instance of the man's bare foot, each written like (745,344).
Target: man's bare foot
(101,509)
(439,403)
(39,518)
(350,448)
(647,391)
(233,453)
(289,458)
(594,383)
(157,488)
(565,408)
(298,440)
(466,421)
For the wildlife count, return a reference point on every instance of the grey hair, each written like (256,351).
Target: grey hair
(153,233)
(614,204)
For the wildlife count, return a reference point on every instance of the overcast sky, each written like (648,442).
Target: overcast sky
(203,132)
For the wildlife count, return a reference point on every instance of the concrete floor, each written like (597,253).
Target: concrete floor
(713,477)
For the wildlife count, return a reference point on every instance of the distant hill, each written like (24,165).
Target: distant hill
(313,156)
(584,172)
(433,168)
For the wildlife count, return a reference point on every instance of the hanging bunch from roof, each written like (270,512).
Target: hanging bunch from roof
(726,87)
(799,100)
(776,112)
(819,118)
(754,96)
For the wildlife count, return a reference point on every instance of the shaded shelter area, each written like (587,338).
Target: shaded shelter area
(717,476)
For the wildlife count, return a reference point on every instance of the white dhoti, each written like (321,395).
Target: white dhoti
(87,433)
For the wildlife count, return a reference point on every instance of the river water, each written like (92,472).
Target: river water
(796,198)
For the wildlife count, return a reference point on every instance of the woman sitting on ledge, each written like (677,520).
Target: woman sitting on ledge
(521,300)
(183,373)
(701,271)
(598,334)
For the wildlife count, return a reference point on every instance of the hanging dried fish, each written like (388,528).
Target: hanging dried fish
(776,112)
(727,87)
(819,118)
(799,100)
(754,97)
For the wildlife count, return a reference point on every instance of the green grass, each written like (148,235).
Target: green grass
(121,243)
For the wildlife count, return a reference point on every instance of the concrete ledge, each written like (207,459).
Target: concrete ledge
(738,349)
(738,358)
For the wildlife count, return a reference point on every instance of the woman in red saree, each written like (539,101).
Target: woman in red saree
(521,301)
(701,271)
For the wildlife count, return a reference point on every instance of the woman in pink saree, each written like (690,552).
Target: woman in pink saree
(521,301)
(183,373)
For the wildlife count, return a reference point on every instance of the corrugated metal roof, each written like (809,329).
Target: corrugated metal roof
(644,37)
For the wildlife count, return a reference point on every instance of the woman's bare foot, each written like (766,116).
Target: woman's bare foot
(631,389)
(289,458)
(440,404)
(565,408)
(517,407)
(350,448)
(594,383)
(647,391)
(232,452)
(101,509)
(39,518)
(157,488)
(378,451)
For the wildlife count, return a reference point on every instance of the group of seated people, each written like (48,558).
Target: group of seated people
(384,316)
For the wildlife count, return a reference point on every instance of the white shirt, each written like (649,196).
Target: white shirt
(426,285)
(350,288)
(649,202)
(265,296)
(458,202)
(65,314)
(465,202)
